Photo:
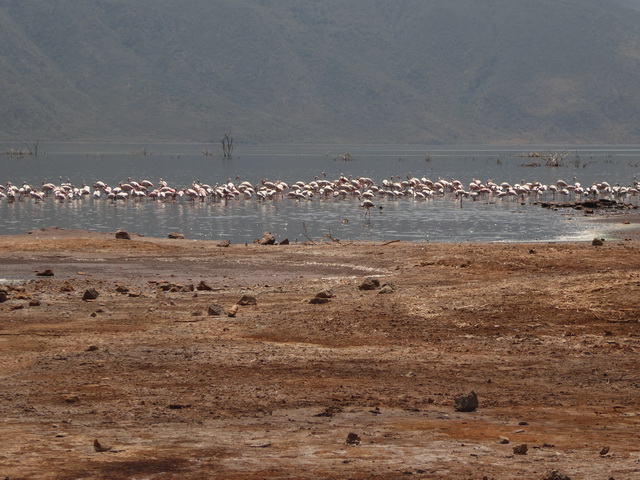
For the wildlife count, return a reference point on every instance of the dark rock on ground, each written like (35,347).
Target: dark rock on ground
(466,403)
(216,310)
(247,300)
(370,283)
(268,238)
(176,236)
(90,294)
(123,235)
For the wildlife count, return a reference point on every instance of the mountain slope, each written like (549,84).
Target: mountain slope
(335,71)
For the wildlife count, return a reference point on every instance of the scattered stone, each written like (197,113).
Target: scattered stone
(520,449)
(20,306)
(122,289)
(247,300)
(176,236)
(67,287)
(34,303)
(268,238)
(45,273)
(353,439)
(604,451)
(123,235)
(224,243)
(284,242)
(597,242)
(233,310)
(90,294)
(203,286)
(370,283)
(503,440)
(318,300)
(99,447)
(216,310)
(3,296)
(555,475)
(91,348)
(523,423)
(466,403)
(326,293)
(71,398)
(386,289)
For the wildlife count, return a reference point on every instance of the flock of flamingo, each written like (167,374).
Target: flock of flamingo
(364,189)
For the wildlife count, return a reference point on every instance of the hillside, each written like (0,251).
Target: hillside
(495,71)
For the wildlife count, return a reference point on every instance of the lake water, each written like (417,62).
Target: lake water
(441,219)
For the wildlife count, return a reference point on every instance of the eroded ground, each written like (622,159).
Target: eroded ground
(546,334)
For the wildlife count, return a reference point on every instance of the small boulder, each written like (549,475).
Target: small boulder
(268,238)
(223,243)
(520,449)
(318,300)
(555,475)
(247,300)
(386,289)
(353,439)
(45,273)
(123,235)
(466,403)
(176,236)
(90,294)
(284,242)
(216,310)
(597,242)
(369,283)
(3,296)
(233,310)
(203,286)
(326,293)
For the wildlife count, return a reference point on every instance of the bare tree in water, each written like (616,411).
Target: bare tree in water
(227,145)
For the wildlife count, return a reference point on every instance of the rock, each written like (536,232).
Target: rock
(268,238)
(604,451)
(596,242)
(386,289)
(123,235)
(353,439)
(223,243)
(326,293)
(520,449)
(247,300)
(203,286)
(318,300)
(233,310)
(503,440)
(284,242)
(216,310)
(176,236)
(34,303)
(45,273)
(370,283)
(3,296)
(466,403)
(99,447)
(122,289)
(90,294)
(555,475)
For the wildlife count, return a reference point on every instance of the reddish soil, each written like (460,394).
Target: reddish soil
(548,335)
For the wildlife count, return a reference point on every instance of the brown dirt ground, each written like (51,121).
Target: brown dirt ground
(547,334)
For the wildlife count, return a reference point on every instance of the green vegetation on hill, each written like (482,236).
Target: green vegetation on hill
(496,71)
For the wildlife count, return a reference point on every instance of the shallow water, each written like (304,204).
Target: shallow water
(440,219)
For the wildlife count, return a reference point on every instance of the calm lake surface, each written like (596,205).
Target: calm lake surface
(439,219)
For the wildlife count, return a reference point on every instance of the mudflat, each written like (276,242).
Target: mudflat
(344,360)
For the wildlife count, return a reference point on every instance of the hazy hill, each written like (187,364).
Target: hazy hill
(436,71)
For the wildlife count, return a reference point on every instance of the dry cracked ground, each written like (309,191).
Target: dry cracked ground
(143,382)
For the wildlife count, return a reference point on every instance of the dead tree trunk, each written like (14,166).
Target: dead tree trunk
(227,145)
